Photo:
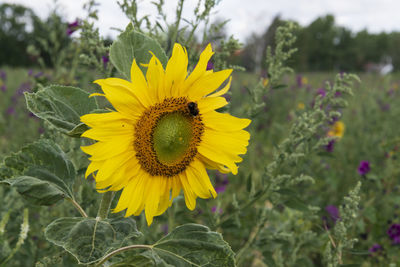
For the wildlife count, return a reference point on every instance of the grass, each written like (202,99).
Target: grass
(371,118)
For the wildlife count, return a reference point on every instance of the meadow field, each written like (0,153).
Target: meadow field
(370,135)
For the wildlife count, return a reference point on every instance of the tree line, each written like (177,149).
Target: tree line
(325,46)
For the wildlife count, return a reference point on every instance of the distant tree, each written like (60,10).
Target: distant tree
(394,45)
(321,36)
(254,52)
(16,26)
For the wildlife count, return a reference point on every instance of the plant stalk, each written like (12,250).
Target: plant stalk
(78,207)
(105,204)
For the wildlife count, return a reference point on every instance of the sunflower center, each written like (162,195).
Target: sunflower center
(171,137)
(166,137)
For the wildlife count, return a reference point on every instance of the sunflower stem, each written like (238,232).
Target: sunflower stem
(105,205)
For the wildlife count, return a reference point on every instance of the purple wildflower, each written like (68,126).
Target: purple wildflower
(3,88)
(333,212)
(3,75)
(375,247)
(338,94)
(321,92)
(221,181)
(24,87)
(333,216)
(210,65)
(364,167)
(299,81)
(394,233)
(391,92)
(214,210)
(330,146)
(39,74)
(385,107)
(164,228)
(105,60)
(10,111)
(30,72)
(72,27)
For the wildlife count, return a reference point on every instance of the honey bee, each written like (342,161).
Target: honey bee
(193,109)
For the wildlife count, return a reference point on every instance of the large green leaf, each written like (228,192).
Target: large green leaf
(186,245)
(40,172)
(89,239)
(62,106)
(134,45)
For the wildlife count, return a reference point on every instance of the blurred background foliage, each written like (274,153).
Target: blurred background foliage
(324,45)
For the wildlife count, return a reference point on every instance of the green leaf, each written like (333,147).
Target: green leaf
(296,203)
(279,86)
(146,259)
(62,106)
(194,245)
(89,239)
(40,172)
(186,245)
(134,45)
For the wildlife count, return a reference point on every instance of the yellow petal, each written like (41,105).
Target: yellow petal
(106,134)
(126,195)
(209,152)
(195,184)
(213,165)
(190,196)
(231,143)
(152,198)
(208,104)
(155,79)
(197,172)
(96,94)
(104,150)
(93,166)
(207,84)
(120,177)
(111,165)
(200,69)
(109,119)
(176,71)
(154,186)
(119,93)
(176,186)
(139,85)
(165,202)
(224,147)
(224,122)
(138,197)
(223,90)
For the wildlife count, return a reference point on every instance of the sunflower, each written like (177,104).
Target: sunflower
(163,134)
(337,130)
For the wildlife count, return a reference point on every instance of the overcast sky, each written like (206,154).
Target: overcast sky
(245,16)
